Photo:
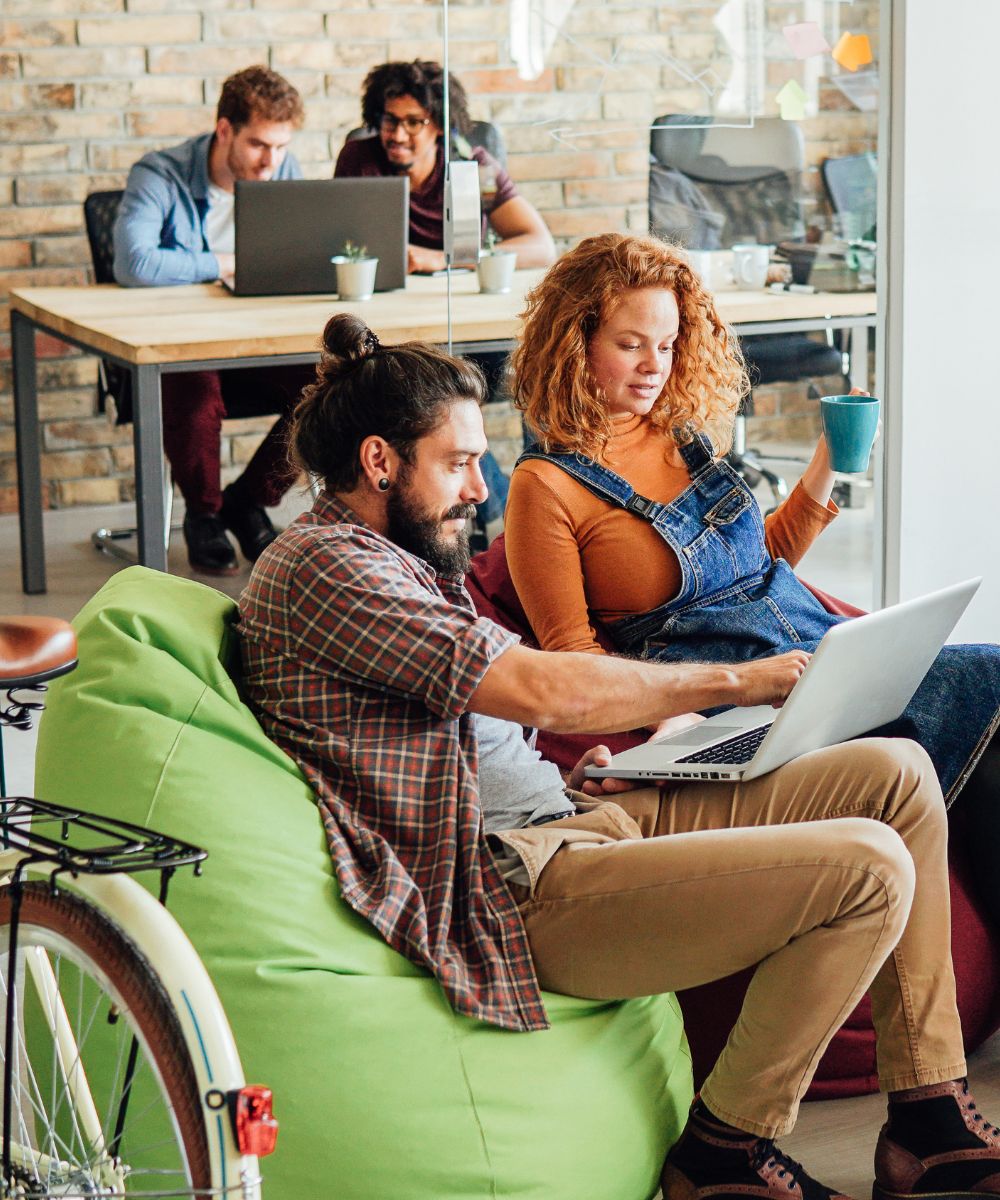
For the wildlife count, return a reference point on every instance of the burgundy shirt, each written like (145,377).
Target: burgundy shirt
(366,156)
(359,661)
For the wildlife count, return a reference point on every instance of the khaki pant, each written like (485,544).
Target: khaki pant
(674,889)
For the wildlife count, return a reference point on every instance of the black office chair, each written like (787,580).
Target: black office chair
(113,382)
(487,135)
(711,186)
(99,212)
(851,184)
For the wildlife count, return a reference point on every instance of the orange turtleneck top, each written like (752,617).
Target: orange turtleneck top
(575,558)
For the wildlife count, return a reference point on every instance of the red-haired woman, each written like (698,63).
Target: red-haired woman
(625,514)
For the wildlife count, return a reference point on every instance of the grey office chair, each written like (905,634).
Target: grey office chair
(113,382)
(851,184)
(711,186)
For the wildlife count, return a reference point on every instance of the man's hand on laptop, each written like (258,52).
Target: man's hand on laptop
(227,268)
(768,680)
(422,261)
(671,725)
(597,756)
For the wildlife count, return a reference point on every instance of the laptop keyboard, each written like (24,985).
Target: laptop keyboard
(733,750)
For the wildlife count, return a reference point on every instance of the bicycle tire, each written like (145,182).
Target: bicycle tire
(90,956)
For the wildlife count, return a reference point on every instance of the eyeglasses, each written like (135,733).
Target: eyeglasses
(389,123)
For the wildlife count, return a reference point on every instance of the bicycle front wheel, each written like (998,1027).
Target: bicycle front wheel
(104,1099)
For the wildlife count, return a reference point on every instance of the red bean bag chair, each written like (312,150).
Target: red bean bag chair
(848,1066)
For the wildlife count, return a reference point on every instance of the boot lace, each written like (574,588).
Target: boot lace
(978,1116)
(767,1154)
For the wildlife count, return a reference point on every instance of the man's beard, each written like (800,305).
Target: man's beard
(419,531)
(239,170)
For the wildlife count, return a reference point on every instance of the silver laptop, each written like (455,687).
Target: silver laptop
(862,675)
(287,230)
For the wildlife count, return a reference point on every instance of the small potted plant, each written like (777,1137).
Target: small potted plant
(496,265)
(355,272)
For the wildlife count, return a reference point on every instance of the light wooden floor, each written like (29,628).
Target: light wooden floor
(835,1139)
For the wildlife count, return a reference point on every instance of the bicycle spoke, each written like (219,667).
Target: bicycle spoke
(113,1096)
(73,1072)
(54,1146)
(68,1063)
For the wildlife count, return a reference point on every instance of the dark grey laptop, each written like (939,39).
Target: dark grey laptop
(287,230)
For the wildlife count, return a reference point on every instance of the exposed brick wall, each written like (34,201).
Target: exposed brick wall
(87,86)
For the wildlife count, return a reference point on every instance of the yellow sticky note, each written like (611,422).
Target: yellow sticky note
(853,51)
(791,102)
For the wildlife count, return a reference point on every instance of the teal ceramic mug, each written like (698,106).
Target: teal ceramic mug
(850,424)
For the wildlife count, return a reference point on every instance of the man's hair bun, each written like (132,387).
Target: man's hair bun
(346,341)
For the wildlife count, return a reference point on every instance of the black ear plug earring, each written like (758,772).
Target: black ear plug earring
(383,484)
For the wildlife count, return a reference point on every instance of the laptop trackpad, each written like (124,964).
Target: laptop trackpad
(702,734)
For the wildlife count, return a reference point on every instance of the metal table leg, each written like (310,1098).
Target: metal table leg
(29,467)
(147,433)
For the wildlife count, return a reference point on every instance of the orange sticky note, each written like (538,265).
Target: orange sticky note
(853,51)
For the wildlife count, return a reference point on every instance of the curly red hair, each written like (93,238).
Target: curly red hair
(553,384)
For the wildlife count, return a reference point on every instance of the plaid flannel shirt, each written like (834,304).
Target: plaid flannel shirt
(360,661)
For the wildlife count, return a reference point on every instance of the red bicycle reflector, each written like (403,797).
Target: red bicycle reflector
(253,1121)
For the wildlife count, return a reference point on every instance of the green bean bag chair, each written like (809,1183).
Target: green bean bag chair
(381,1091)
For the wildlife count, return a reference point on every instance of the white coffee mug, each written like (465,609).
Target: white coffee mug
(750,262)
(700,262)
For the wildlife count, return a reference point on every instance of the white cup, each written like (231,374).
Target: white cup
(700,262)
(496,271)
(750,263)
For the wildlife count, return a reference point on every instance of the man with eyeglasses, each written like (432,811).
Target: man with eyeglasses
(404,103)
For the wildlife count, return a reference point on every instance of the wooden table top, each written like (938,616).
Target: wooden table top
(204,321)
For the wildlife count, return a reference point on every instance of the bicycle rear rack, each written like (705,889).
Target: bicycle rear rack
(79,843)
(74,842)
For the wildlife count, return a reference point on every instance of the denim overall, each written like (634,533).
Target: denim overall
(736,603)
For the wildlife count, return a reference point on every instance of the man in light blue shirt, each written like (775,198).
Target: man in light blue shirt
(175,226)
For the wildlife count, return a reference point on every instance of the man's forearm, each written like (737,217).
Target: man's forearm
(590,693)
(532,249)
(137,266)
(598,693)
(628,694)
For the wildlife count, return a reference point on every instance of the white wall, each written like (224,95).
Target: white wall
(941,291)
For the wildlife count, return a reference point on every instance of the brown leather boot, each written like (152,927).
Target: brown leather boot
(715,1161)
(936,1143)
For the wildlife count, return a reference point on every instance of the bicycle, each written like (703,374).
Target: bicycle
(120,1073)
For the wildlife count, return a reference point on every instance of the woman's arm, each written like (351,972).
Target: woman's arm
(797,522)
(544,561)
(818,477)
(795,525)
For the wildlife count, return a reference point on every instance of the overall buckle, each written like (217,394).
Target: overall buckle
(640,504)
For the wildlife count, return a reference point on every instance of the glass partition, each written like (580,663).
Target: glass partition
(714,124)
